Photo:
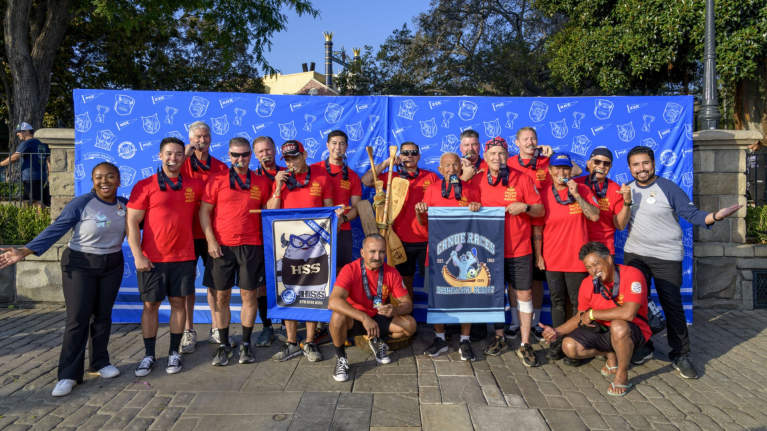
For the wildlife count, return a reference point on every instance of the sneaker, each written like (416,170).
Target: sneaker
(438,347)
(283,335)
(512,332)
(322,336)
(265,337)
(685,367)
(63,387)
(467,354)
(380,348)
(214,338)
(286,352)
(527,355)
(554,352)
(188,341)
(570,362)
(311,352)
(341,373)
(641,356)
(246,354)
(497,346)
(537,332)
(145,366)
(109,372)
(222,355)
(174,363)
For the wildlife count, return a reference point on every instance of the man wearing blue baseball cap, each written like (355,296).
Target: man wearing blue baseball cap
(34,166)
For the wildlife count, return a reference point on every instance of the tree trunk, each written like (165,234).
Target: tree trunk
(31,65)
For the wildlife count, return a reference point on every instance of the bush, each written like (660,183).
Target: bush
(20,225)
(756,223)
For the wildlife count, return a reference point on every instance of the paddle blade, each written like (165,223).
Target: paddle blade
(399,188)
(367,217)
(396,248)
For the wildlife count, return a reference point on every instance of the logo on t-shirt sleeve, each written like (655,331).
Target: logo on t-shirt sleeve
(595,200)
(636,287)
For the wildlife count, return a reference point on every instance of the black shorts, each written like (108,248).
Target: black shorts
(344,248)
(603,342)
(167,279)
(383,327)
(416,257)
(245,262)
(518,272)
(38,190)
(538,275)
(201,250)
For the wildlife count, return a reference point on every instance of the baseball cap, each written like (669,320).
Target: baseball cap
(23,126)
(496,142)
(291,148)
(560,159)
(601,151)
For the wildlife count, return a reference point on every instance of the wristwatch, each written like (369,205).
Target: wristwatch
(346,220)
(527,207)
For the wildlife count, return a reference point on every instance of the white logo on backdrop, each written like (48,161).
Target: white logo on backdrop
(124,104)
(356,132)
(686,152)
(450,144)
(151,124)
(510,117)
(467,110)
(309,120)
(88,97)
(672,112)
(564,106)
(634,107)
(146,144)
(622,178)
(619,153)
(82,123)
(446,117)
(469,127)
(169,113)
(401,130)
(669,176)
(492,128)
(363,164)
(373,122)
(407,109)
(288,131)
(379,144)
(663,133)
(648,119)
(79,172)
(538,111)
(688,131)
(433,105)
(220,125)
(297,105)
(668,158)
(597,130)
(578,117)
(626,131)
(127,174)
(123,124)
(333,112)
(226,102)
(105,139)
(603,109)
(499,105)
(158,99)
(429,128)
(198,107)
(325,155)
(513,148)
(174,134)
(559,129)
(265,107)
(238,114)
(581,145)
(102,156)
(82,141)
(102,112)
(687,179)
(361,108)
(311,145)
(258,127)
(650,143)
(326,132)
(126,150)
(243,135)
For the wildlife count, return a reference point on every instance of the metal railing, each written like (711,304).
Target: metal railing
(15,189)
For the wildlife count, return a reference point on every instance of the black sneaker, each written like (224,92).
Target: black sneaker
(554,352)
(527,355)
(146,366)
(641,356)
(246,354)
(174,363)
(380,349)
(537,332)
(512,332)
(222,355)
(497,346)
(341,373)
(467,354)
(685,367)
(438,347)
(570,362)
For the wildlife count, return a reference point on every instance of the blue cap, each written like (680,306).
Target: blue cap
(560,159)
(23,126)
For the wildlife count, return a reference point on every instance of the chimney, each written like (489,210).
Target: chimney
(328,56)
(311,66)
(304,67)
(356,52)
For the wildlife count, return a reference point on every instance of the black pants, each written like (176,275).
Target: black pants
(668,283)
(562,284)
(91,282)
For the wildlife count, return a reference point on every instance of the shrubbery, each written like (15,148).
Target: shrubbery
(756,223)
(19,225)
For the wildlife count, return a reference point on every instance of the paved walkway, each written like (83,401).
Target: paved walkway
(413,392)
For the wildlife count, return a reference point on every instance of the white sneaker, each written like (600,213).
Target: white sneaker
(109,372)
(63,387)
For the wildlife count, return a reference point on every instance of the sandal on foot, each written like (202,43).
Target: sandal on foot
(628,387)
(609,368)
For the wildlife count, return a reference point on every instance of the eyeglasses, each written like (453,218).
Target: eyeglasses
(236,155)
(408,153)
(601,162)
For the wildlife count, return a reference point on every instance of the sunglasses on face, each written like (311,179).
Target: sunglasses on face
(298,242)
(236,155)
(602,162)
(409,153)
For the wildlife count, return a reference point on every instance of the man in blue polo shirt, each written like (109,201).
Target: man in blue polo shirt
(34,166)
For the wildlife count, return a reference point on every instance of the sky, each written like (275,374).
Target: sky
(355,23)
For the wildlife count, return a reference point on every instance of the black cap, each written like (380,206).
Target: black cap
(602,151)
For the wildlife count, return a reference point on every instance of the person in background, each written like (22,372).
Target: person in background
(35,165)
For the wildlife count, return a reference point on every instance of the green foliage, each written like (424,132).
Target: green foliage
(756,223)
(20,225)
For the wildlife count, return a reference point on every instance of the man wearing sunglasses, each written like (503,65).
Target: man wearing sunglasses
(200,165)
(612,316)
(614,200)
(414,238)
(300,186)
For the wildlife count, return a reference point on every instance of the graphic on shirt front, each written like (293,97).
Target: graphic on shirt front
(102,220)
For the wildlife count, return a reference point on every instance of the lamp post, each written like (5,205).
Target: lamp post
(709,113)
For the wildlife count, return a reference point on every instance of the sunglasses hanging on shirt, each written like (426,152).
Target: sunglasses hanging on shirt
(453,183)
(600,288)
(533,163)
(406,175)
(197,164)
(294,184)
(345,169)
(503,176)
(593,184)
(164,181)
(570,198)
(235,177)
(377,300)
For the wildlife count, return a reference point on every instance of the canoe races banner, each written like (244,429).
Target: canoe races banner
(466,282)
(300,261)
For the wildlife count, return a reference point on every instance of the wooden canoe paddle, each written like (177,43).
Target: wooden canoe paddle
(399,189)
(367,217)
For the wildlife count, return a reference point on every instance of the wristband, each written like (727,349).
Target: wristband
(626,203)
(556,332)
(713,215)
(591,314)
(276,196)
(346,220)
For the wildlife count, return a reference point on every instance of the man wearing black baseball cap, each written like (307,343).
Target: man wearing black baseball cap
(34,166)
(614,201)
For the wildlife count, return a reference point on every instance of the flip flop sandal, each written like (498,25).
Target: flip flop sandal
(608,368)
(628,387)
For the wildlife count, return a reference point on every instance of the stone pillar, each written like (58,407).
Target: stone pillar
(722,260)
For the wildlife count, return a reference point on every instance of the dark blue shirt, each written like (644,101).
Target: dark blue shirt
(33,166)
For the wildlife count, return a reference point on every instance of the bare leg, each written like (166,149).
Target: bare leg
(311,330)
(149,319)
(525,319)
(177,314)
(465,329)
(212,305)
(189,324)
(222,312)
(338,327)
(249,307)
(402,326)
(291,327)
(620,333)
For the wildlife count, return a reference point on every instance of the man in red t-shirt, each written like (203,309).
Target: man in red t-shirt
(569,206)
(300,186)
(613,214)
(235,245)
(502,187)
(472,166)
(413,238)
(360,307)
(200,165)
(612,320)
(164,254)
(450,192)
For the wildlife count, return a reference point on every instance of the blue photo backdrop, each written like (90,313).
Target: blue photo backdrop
(125,128)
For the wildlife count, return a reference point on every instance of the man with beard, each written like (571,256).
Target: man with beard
(450,192)
(533,160)
(472,166)
(654,246)
(613,211)
(200,165)
(405,225)
(265,151)
(502,187)
(235,245)
(300,186)
(164,254)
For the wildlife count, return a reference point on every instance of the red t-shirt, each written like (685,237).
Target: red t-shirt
(311,195)
(233,224)
(343,190)
(517,228)
(603,230)
(260,171)
(350,279)
(216,166)
(479,176)
(539,175)
(168,219)
(632,289)
(565,229)
(406,225)
(433,198)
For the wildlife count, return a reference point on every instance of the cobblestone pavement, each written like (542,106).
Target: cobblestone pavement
(413,392)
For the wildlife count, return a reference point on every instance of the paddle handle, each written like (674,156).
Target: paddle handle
(392,153)
(340,206)
(372,164)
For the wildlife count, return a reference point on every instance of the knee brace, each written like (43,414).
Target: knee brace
(525,306)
